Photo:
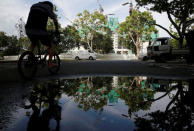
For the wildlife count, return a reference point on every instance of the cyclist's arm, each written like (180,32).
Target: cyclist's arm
(56,24)
(53,16)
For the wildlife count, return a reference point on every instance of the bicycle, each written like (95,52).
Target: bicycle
(28,62)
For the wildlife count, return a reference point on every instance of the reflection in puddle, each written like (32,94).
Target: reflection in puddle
(108,103)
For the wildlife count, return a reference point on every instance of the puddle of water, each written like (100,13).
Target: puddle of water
(98,103)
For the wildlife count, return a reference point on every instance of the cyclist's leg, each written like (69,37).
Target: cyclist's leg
(51,50)
(32,47)
(34,41)
(47,41)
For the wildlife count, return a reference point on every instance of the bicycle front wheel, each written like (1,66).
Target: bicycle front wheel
(56,62)
(27,65)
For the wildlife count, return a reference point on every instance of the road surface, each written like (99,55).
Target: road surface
(9,73)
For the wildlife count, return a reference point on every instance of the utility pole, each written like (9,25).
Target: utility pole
(130,6)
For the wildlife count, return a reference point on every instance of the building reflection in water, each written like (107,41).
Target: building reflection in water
(138,94)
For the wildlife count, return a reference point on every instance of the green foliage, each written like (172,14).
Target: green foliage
(179,13)
(127,42)
(3,39)
(70,38)
(174,43)
(138,24)
(12,46)
(178,8)
(88,24)
(135,27)
(102,43)
(24,43)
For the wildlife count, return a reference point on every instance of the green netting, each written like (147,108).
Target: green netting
(113,96)
(113,24)
(153,36)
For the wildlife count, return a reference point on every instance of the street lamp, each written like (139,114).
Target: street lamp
(111,14)
(130,6)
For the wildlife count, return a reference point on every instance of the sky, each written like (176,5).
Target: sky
(12,10)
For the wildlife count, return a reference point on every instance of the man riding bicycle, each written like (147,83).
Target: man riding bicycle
(36,26)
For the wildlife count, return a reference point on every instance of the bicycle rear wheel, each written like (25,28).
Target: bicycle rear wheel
(56,61)
(27,65)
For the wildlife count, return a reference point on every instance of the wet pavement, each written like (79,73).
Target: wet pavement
(9,72)
(98,95)
(97,103)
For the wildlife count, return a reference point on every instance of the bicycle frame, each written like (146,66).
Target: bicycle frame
(39,55)
(29,62)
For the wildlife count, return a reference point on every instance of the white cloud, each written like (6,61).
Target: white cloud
(10,12)
(70,9)
(163,20)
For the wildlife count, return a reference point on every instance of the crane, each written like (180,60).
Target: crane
(130,6)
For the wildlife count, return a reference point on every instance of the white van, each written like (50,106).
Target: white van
(84,54)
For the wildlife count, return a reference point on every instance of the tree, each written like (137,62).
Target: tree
(23,43)
(3,39)
(70,39)
(137,26)
(181,10)
(20,26)
(135,95)
(13,48)
(102,43)
(178,114)
(89,23)
(125,40)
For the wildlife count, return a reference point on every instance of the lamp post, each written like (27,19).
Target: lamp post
(130,6)
(111,14)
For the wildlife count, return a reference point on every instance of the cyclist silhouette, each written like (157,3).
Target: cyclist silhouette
(36,26)
(45,105)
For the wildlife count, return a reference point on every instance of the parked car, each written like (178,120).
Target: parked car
(160,50)
(84,54)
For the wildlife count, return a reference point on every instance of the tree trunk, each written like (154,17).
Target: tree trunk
(138,42)
(180,42)
(92,43)
(137,50)
(88,42)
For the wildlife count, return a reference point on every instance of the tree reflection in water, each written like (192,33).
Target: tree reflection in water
(90,92)
(135,93)
(97,92)
(178,114)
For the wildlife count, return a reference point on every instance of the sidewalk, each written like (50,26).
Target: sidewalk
(63,57)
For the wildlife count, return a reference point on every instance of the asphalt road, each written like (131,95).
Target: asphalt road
(9,73)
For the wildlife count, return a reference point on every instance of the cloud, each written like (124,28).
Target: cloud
(10,12)
(161,19)
(68,10)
